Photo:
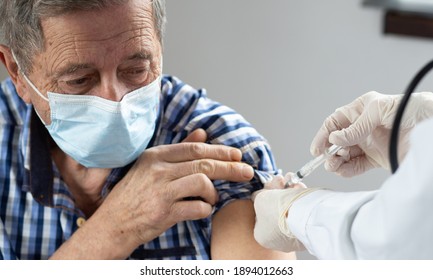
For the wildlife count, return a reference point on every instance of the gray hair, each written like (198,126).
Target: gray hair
(20,22)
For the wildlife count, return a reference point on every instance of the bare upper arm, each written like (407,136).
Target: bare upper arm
(233,238)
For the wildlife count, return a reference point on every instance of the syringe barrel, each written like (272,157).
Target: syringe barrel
(332,150)
(311,165)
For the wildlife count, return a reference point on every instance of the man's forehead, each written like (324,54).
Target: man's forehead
(101,24)
(76,36)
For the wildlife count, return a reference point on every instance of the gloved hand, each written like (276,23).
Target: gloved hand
(272,205)
(364,126)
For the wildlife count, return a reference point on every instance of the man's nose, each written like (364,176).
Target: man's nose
(113,90)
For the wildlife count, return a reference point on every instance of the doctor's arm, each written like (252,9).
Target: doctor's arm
(375,224)
(389,223)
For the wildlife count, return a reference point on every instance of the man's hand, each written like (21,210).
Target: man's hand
(169,184)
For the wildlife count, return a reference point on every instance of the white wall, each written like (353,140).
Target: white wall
(285,65)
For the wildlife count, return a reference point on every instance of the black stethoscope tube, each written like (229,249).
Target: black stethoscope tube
(393,143)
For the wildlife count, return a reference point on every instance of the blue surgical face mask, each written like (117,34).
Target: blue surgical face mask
(98,132)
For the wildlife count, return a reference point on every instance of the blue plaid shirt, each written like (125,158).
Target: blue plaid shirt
(37,211)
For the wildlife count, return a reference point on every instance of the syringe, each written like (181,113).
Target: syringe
(312,165)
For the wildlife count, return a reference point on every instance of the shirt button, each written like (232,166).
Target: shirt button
(80,221)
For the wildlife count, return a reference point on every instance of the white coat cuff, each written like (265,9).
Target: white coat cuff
(300,213)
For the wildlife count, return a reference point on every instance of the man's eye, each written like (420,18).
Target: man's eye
(135,72)
(79,82)
(135,75)
(79,85)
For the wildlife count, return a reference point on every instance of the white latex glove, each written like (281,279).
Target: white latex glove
(364,126)
(272,205)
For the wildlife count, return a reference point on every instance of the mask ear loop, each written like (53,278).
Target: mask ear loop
(31,85)
(393,144)
(27,79)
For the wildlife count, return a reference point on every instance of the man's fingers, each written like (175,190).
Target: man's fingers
(194,186)
(198,135)
(192,151)
(191,210)
(216,170)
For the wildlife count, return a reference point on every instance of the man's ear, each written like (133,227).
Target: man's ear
(9,62)
(11,65)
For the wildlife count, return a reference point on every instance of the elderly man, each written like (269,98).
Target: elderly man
(114,173)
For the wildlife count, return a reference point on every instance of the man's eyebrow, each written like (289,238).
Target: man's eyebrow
(70,69)
(139,56)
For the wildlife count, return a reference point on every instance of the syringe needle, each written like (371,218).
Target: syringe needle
(312,165)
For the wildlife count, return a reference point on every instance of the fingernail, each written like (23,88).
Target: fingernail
(247,171)
(235,154)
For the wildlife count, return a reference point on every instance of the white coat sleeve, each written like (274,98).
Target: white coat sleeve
(393,222)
